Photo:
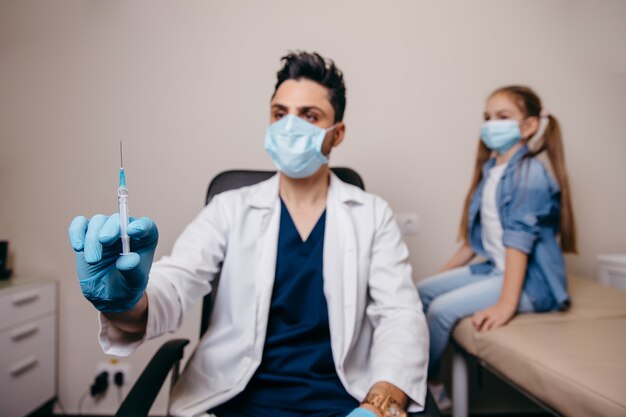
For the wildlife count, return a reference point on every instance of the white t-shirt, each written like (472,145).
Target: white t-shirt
(491,226)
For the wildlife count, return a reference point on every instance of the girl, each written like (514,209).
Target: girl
(515,214)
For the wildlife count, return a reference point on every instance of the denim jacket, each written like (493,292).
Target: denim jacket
(529,204)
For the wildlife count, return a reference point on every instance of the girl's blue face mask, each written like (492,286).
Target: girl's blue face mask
(295,146)
(500,135)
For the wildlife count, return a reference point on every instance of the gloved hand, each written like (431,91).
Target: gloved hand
(110,281)
(362,412)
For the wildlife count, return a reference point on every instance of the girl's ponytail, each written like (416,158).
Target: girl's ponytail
(551,142)
(482,156)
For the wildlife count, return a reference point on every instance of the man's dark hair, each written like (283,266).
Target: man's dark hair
(312,66)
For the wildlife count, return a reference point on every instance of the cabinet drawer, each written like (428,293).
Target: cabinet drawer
(20,340)
(27,303)
(27,383)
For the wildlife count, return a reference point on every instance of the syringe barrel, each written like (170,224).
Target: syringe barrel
(122,203)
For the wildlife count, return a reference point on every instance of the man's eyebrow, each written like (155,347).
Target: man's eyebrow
(304,109)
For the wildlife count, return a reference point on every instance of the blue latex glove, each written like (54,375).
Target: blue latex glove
(110,281)
(362,412)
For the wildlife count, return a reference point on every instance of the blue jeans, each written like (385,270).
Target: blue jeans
(453,295)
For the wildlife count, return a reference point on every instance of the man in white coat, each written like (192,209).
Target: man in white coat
(316,313)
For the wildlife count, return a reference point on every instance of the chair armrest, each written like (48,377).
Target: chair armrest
(142,395)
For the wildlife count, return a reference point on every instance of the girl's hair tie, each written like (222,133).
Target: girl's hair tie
(544,114)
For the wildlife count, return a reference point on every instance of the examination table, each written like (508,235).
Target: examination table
(571,363)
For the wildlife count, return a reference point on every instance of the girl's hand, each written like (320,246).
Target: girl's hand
(493,317)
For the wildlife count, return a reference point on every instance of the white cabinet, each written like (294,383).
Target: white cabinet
(27,344)
(612,270)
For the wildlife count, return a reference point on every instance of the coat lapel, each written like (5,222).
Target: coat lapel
(264,202)
(340,266)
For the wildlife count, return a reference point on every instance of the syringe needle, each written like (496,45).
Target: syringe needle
(122,200)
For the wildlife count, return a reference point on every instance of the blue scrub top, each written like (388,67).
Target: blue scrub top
(297,374)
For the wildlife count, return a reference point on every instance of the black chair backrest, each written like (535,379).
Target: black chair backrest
(233,179)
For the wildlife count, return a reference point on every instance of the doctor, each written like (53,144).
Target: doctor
(316,312)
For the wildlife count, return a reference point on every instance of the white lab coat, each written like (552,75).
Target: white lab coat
(377,327)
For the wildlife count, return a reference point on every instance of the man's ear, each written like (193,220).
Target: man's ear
(340,132)
(334,138)
(529,127)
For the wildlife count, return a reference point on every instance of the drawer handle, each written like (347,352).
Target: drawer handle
(24,332)
(25,298)
(23,366)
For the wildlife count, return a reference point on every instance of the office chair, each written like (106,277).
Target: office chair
(142,395)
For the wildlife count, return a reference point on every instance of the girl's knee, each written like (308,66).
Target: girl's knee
(442,313)
(426,290)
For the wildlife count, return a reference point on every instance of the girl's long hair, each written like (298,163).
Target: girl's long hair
(551,142)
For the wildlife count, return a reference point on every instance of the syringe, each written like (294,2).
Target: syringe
(122,204)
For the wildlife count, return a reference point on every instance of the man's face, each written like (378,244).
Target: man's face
(308,100)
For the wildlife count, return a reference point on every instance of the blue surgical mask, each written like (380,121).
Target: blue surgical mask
(295,146)
(500,135)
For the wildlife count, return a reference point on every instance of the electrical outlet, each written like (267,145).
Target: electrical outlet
(112,366)
(408,223)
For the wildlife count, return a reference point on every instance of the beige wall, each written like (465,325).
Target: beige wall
(186,86)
